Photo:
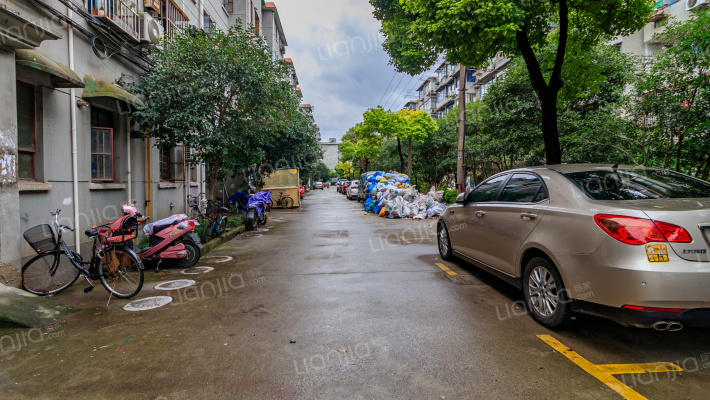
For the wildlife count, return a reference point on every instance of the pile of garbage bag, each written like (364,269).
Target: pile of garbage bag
(390,195)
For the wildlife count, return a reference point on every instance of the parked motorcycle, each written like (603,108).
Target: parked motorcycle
(256,209)
(171,238)
(301,191)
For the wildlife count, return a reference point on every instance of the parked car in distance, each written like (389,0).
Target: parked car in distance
(344,189)
(628,243)
(340,185)
(352,190)
(318,185)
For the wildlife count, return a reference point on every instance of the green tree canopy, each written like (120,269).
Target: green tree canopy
(472,32)
(221,94)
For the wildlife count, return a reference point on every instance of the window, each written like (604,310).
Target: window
(208,22)
(26,143)
(521,188)
(229,5)
(485,191)
(101,145)
(172,164)
(638,184)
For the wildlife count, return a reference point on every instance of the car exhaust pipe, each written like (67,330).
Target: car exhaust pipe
(661,325)
(671,326)
(674,326)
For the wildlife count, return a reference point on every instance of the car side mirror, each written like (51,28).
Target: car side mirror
(461,198)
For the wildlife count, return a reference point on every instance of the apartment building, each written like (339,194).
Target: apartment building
(439,94)
(67,139)
(642,42)
(331,153)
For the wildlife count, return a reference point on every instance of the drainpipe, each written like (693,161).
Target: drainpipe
(128,151)
(74,153)
(148,204)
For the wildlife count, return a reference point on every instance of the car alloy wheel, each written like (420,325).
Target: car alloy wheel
(444,243)
(543,291)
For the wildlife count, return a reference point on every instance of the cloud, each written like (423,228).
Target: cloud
(342,69)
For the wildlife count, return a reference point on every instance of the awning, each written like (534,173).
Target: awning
(98,88)
(62,76)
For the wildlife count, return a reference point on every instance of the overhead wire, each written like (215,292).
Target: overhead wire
(388,87)
(395,89)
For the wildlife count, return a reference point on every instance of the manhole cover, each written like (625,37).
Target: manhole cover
(464,280)
(173,285)
(196,270)
(148,303)
(217,259)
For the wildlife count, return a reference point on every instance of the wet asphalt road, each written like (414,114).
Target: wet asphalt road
(372,316)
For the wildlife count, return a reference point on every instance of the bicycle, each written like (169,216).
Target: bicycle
(55,267)
(195,211)
(216,221)
(284,201)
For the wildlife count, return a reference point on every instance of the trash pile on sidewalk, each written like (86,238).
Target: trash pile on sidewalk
(390,194)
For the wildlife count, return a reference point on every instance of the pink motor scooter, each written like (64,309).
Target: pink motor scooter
(170,239)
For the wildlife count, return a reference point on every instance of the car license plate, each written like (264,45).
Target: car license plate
(657,253)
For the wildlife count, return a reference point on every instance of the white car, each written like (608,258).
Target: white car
(352,190)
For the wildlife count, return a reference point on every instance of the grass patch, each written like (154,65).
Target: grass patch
(143,242)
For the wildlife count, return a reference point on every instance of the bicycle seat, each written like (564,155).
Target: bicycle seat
(91,233)
(281,192)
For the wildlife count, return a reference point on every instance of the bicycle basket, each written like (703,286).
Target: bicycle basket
(41,238)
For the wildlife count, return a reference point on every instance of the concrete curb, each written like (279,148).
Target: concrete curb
(228,235)
(29,310)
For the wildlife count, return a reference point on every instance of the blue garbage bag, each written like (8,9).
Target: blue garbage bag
(368,204)
(376,209)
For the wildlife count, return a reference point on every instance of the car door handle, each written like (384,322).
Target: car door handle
(527,216)
(480,213)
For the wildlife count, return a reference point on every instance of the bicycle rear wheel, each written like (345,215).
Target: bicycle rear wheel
(207,231)
(287,202)
(223,225)
(38,279)
(121,273)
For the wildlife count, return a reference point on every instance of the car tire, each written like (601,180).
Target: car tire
(444,242)
(544,290)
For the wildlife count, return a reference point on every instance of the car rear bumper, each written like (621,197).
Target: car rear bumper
(694,318)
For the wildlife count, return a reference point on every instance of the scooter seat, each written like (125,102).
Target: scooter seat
(158,228)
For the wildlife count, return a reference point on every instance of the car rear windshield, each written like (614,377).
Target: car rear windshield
(638,184)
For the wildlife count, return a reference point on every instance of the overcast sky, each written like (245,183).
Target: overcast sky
(337,51)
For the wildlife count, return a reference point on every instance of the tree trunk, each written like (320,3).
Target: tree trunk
(212,179)
(409,159)
(401,158)
(678,152)
(547,93)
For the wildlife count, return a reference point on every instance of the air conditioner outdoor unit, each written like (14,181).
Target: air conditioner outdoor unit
(691,4)
(151,30)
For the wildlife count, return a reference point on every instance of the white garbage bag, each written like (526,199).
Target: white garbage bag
(148,229)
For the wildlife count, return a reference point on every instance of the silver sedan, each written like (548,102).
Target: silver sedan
(627,243)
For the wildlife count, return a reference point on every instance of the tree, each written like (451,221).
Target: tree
(345,169)
(295,146)
(471,32)
(418,126)
(673,96)
(220,94)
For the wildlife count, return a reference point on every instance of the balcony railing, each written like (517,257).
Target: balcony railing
(118,14)
(172,27)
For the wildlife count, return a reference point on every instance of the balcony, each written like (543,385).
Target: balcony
(172,27)
(118,15)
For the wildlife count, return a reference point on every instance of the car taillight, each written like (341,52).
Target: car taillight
(657,309)
(637,231)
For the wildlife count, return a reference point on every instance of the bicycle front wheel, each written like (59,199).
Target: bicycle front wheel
(121,273)
(223,225)
(287,202)
(49,273)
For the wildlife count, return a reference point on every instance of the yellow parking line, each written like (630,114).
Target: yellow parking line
(382,224)
(604,372)
(446,269)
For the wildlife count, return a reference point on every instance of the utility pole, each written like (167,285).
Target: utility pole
(460,161)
